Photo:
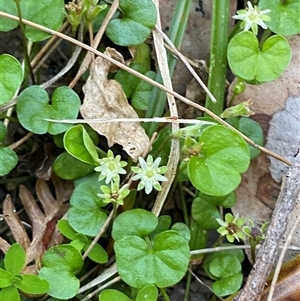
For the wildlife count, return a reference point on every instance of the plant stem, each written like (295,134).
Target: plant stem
(176,34)
(164,294)
(188,285)
(218,61)
(24,42)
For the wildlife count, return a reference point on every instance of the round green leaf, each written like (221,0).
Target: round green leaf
(284,16)
(33,107)
(253,64)
(251,129)
(224,155)
(148,293)
(69,168)
(79,144)
(85,215)
(63,284)
(32,284)
(15,259)
(205,214)
(224,265)
(163,264)
(137,222)
(164,223)
(5,278)
(111,294)
(9,160)
(63,258)
(11,77)
(9,293)
(228,285)
(65,228)
(139,17)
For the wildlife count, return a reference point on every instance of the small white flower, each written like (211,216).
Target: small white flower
(252,17)
(110,167)
(149,174)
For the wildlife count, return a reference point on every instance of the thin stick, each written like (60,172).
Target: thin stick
(173,160)
(281,258)
(147,79)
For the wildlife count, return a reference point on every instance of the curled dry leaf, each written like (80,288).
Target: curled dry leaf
(44,232)
(105,98)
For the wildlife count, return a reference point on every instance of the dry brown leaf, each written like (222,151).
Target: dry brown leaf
(104,98)
(44,233)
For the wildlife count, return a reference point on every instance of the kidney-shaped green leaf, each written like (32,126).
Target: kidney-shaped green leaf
(48,13)
(33,107)
(148,293)
(284,16)
(85,215)
(11,77)
(258,65)
(163,263)
(139,17)
(224,156)
(137,222)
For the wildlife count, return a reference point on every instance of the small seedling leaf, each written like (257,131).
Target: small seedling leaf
(5,277)
(10,293)
(32,284)
(148,293)
(33,108)
(139,17)
(11,77)
(112,294)
(258,65)
(85,215)
(9,160)
(224,156)
(205,214)
(15,259)
(164,223)
(97,254)
(183,230)
(136,222)
(79,144)
(163,264)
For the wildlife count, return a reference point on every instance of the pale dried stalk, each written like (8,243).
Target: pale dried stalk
(173,161)
(143,77)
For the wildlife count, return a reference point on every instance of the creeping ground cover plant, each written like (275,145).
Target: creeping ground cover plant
(109,193)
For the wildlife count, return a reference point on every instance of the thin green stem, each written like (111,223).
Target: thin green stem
(188,285)
(24,42)
(218,61)
(183,202)
(176,34)
(164,294)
